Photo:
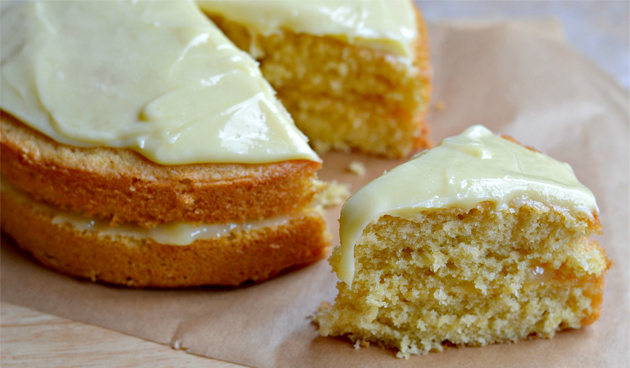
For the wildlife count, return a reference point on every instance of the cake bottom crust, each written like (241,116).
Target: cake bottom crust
(255,254)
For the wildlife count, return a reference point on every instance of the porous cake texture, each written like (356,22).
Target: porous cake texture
(455,277)
(344,96)
(432,268)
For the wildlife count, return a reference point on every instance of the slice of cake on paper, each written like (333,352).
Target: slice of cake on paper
(141,147)
(477,241)
(352,73)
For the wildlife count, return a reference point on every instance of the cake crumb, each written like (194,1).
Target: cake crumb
(440,105)
(334,195)
(361,344)
(357,167)
(94,275)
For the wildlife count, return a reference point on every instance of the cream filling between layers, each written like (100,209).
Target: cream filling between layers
(153,76)
(176,233)
(383,24)
(463,171)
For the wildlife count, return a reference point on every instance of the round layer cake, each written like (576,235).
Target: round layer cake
(141,147)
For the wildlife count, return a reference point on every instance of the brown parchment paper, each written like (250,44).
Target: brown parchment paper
(515,79)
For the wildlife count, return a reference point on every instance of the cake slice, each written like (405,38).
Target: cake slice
(140,147)
(353,74)
(477,241)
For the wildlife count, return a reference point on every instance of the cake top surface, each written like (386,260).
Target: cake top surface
(384,24)
(463,171)
(156,77)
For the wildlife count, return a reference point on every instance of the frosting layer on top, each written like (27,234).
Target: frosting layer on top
(385,24)
(153,76)
(473,167)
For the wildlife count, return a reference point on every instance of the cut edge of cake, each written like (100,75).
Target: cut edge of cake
(344,96)
(417,292)
(479,240)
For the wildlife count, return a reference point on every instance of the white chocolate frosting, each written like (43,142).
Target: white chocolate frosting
(383,24)
(176,233)
(473,167)
(153,76)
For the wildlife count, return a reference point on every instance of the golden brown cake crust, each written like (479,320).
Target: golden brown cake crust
(122,186)
(229,260)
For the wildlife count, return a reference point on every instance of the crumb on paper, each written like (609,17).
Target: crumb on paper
(361,344)
(94,275)
(440,105)
(357,167)
(334,195)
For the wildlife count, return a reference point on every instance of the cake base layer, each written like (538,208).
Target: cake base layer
(255,254)
(123,187)
(457,277)
(345,96)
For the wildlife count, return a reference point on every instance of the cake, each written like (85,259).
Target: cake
(354,74)
(477,241)
(140,147)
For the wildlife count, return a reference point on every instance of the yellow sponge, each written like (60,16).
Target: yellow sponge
(497,271)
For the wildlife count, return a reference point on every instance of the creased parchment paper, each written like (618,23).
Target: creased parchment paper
(512,77)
